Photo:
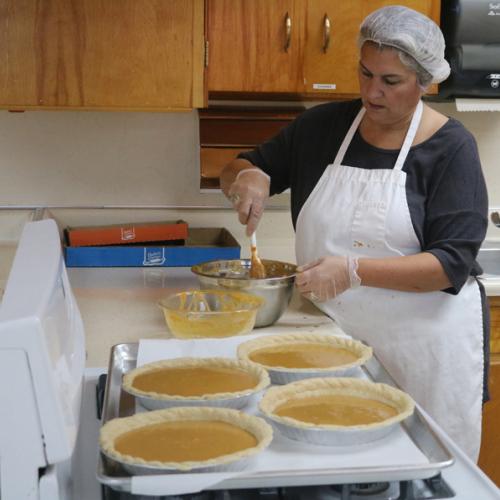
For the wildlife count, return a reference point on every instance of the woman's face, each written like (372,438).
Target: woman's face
(389,90)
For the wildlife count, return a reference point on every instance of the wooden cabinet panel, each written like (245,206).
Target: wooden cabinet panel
(494,324)
(113,54)
(247,46)
(489,457)
(212,161)
(336,66)
(333,65)
(225,132)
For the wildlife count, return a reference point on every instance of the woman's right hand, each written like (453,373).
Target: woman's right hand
(249,193)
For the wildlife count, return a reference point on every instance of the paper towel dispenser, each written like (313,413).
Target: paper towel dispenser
(472,32)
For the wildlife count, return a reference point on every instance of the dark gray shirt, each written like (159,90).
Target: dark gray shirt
(445,187)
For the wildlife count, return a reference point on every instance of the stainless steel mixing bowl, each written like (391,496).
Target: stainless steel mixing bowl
(276,289)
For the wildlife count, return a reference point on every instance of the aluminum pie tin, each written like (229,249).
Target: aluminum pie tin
(323,437)
(335,435)
(148,470)
(283,375)
(235,403)
(237,400)
(231,462)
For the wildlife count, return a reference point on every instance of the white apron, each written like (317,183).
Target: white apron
(431,343)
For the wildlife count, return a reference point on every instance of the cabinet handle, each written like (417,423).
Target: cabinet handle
(288,31)
(326,33)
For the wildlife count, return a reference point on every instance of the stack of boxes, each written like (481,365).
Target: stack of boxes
(163,244)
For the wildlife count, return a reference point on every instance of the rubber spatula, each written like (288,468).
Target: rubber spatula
(257,268)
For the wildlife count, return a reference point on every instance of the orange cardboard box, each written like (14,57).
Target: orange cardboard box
(120,234)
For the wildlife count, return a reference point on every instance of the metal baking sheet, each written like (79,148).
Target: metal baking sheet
(118,403)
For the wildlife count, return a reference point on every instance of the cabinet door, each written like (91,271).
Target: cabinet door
(255,46)
(489,457)
(494,324)
(112,54)
(331,53)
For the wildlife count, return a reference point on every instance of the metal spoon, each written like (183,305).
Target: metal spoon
(257,268)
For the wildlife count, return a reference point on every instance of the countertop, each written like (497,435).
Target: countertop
(119,305)
(491,284)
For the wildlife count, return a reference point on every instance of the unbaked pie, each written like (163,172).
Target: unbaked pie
(343,408)
(305,355)
(213,381)
(181,439)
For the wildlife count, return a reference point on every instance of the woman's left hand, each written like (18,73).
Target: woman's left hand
(327,277)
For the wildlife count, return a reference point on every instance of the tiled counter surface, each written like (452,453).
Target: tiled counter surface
(119,305)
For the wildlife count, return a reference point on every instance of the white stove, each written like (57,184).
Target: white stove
(42,359)
(49,421)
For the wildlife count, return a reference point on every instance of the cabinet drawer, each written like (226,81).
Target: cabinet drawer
(212,161)
(227,131)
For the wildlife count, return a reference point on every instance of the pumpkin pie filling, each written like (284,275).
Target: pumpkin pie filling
(183,441)
(195,381)
(336,409)
(303,355)
(337,406)
(203,379)
(184,438)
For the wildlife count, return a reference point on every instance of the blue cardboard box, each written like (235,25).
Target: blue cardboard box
(202,245)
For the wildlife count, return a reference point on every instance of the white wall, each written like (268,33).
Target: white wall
(64,158)
(96,159)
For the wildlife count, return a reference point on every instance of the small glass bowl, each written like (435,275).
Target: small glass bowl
(210,313)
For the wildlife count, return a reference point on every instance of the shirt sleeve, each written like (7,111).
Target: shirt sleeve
(456,214)
(274,158)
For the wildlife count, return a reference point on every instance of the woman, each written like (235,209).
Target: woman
(389,206)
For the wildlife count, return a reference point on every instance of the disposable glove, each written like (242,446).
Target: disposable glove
(327,277)
(249,193)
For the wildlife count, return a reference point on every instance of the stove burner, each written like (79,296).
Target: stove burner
(426,489)
(367,489)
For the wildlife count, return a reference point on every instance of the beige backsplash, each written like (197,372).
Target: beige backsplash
(70,158)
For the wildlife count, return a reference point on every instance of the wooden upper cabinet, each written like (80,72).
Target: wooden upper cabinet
(246,44)
(331,50)
(255,45)
(102,54)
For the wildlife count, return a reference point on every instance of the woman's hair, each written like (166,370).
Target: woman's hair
(424,78)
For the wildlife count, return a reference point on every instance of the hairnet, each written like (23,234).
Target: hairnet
(412,33)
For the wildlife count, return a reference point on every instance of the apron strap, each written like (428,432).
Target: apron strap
(347,139)
(410,136)
(405,148)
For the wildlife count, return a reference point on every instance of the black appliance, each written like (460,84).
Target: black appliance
(472,34)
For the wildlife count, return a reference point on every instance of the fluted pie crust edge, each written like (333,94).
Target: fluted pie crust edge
(362,351)
(116,427)
(278,395)
(253,369)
